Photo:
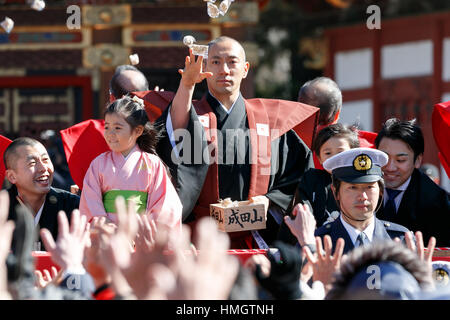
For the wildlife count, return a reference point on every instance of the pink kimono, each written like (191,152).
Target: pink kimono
(140,171)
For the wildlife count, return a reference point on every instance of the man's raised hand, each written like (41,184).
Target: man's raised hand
(192,72)
(303,225)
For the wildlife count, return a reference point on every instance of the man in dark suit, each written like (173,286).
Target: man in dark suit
(357,186)
(30,171)
(412,198)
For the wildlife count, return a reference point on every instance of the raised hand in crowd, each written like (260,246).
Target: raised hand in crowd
(45,278)
(399,274)
(209,274)
(324,263)
(418,247)
(303,225)
(183,273)
(115,248)
(6,231)
(68,250)
(91,263)
(259,261)
(145,237)
(130,271)
(163,266)
(415,243)
(314,292)
(279,272)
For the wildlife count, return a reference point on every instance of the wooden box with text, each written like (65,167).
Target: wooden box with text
(240,215)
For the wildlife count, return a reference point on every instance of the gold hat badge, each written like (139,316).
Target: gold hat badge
(362,163)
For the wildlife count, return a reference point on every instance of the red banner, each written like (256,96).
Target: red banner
(44,260)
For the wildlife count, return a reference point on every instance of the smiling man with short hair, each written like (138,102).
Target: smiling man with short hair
(411,198)
(30,171)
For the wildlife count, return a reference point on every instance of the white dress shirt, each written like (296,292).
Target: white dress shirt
(354,233)
(38,215)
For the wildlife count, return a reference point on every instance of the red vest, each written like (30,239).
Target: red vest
(277,114)
(261,113)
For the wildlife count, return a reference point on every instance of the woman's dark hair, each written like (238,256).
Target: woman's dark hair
(406,131)
(362,257)
(135,115)
(336,130)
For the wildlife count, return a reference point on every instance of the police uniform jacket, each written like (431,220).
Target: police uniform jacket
(383,231)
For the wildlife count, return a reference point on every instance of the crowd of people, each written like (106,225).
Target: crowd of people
(347,217)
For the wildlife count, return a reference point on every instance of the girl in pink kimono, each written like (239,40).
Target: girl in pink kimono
(131,169)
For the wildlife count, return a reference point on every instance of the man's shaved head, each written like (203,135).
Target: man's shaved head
(127,79)
(29,168)
(10,155)
(223,39)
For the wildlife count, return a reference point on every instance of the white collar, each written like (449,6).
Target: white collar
(354,233)
(38,215)
(223,107)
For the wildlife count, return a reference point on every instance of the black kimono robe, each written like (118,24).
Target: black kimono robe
(55,201)
(314,190)
(290,158)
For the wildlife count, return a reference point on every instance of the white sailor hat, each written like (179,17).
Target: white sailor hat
(358,165)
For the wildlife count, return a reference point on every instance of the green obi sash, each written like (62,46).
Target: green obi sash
(139,198)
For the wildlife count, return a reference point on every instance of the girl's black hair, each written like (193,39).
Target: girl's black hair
(335,130)
(135,115)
